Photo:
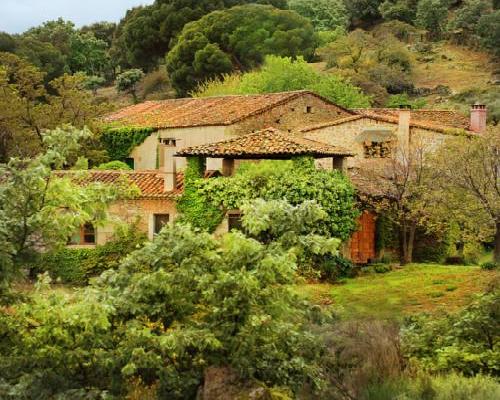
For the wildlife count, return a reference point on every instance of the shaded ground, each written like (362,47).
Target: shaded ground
(412,289)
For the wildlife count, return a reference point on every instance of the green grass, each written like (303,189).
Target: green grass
(412,289)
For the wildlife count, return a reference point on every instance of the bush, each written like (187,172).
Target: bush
(445,387)
(77,266)
(113,165)
(331,268)
(489,266)
(381,268)
(466,342)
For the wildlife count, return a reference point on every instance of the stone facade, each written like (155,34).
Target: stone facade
(289,117)
(350,135)
(140,211)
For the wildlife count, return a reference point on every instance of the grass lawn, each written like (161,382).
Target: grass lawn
(412,289)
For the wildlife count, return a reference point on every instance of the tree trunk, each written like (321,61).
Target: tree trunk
(402,243)
(496,253)
(409,244)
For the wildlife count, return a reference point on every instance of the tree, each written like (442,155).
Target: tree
(467,16)
(88,54)
(127,82)
(44,56)
(470,171)
(7,42)
(363,12)
(40,210)
(93,83)
(147,33)
(402,10)
(279,74)
(488,28)
(324,14)
(236,39)
(101,30)
(29,109)
(431,15)
(184,303)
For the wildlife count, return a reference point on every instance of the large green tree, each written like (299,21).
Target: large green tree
(147,33)
(324,14)
(183,304)
(236,39)
(27,108)
(431,15)
(39,210)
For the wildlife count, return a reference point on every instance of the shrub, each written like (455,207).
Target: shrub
(466,342)
(489,266)
(381,268)
(331,268)
(114,165)
(179,305)
(425,387)
(77,266)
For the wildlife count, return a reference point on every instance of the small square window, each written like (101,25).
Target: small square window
(160,220)
(309,109)
(170,142)
(85,235)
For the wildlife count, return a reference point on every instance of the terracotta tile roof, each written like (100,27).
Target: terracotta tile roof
(267,143)
(151,183)
(447,125)
(208,111)
(436,118)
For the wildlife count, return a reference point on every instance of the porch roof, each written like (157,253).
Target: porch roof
(269,143)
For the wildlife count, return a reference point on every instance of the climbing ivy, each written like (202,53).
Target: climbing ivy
(295,181)
(193,205)
(119,142)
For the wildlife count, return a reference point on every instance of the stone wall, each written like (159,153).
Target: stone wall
(290,117)
(130,211)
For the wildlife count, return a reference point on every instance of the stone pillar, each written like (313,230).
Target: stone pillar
(228,167)
(339,163)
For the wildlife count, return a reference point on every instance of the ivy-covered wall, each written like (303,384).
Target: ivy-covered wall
(119,142)
(193,206)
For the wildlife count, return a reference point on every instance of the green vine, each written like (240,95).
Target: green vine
(193,205)
(119,142)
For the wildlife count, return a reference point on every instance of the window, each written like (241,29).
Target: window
(309,109)
(377,149)
(85,235)
(130,162)
(234,222)
(160,220)
(170,142)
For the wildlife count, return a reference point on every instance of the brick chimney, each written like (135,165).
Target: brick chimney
(168,166)
(404,125)
(478,114)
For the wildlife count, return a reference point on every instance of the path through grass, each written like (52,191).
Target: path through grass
(412,289)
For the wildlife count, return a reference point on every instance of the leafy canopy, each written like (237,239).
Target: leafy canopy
(236,39)
(296,181)
(147,33)
(280,74)
(40,210)
(181,304)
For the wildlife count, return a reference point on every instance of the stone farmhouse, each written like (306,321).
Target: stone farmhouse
(214,127)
